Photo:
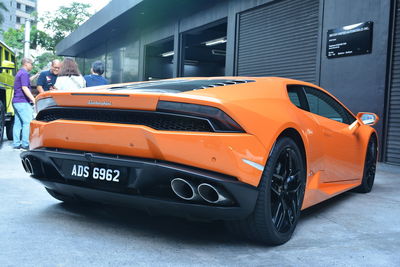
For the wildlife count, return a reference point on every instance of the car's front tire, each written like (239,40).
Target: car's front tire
(281,193)
(371,157)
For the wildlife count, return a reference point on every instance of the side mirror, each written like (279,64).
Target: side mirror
(5,64)
(368,118)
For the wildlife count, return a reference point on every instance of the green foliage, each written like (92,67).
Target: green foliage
(65,20)
(57,26)
(15,38)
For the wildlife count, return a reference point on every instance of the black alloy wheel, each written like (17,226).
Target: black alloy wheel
(281,193)
(287,190)
(371,157)
(2,121)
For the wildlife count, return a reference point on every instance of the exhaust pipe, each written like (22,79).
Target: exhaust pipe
(213,195)
(24,165)
(28,165)
(184,189)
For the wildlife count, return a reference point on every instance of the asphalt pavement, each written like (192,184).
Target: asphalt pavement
(37,230)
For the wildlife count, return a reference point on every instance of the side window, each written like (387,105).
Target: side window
(7,57)
(294,96)
(297,96)
(325,106)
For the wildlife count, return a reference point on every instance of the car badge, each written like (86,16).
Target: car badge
(100,103)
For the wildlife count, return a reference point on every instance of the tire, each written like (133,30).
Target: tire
(281,193)
(61,197)
(2,121)
(371,157)
(9,129)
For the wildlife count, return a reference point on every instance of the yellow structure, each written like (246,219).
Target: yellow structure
(7,73)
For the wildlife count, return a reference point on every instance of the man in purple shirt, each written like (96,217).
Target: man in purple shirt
(22,103)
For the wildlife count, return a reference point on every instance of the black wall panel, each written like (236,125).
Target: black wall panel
(279,39)
(360,81)
(393,129)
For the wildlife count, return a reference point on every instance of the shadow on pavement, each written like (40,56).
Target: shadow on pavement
(138,223)
(134,223)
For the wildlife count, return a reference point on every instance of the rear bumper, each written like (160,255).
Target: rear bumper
(147,186)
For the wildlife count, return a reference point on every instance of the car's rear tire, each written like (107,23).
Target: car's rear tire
(9,129)
(371,157)
(2,121)
(281,193)
(61,197)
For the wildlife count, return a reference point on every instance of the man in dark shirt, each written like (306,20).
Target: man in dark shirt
(22,103)
(48,78)
(95,78)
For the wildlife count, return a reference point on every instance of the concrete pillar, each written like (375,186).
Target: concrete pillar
(27,41)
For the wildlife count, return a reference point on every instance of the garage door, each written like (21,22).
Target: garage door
(393,130)
(279,39)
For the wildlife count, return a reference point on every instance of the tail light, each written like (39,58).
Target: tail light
(220,121)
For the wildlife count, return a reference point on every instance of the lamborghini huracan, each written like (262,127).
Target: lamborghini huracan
(253,152)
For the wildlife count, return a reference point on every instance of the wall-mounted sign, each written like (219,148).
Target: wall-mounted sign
(350,40)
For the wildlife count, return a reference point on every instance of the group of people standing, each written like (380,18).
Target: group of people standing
(63,75)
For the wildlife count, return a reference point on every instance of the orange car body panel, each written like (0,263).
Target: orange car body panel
(335,153)
(219,152)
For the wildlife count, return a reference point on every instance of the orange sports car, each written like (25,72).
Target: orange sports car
(250,151)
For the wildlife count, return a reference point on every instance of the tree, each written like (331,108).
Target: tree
(2,8)
(57,26)
(65,20)
(15,38)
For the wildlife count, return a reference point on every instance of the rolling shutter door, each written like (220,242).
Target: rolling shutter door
(279,39)
(393,130)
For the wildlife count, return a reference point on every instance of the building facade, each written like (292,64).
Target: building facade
(350,48)
(18,12)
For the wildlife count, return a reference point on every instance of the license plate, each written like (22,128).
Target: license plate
(93,172)
(96,173)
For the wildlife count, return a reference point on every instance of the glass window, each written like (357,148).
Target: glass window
(294,96)
(297,96)
(29,9)
(325,106)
